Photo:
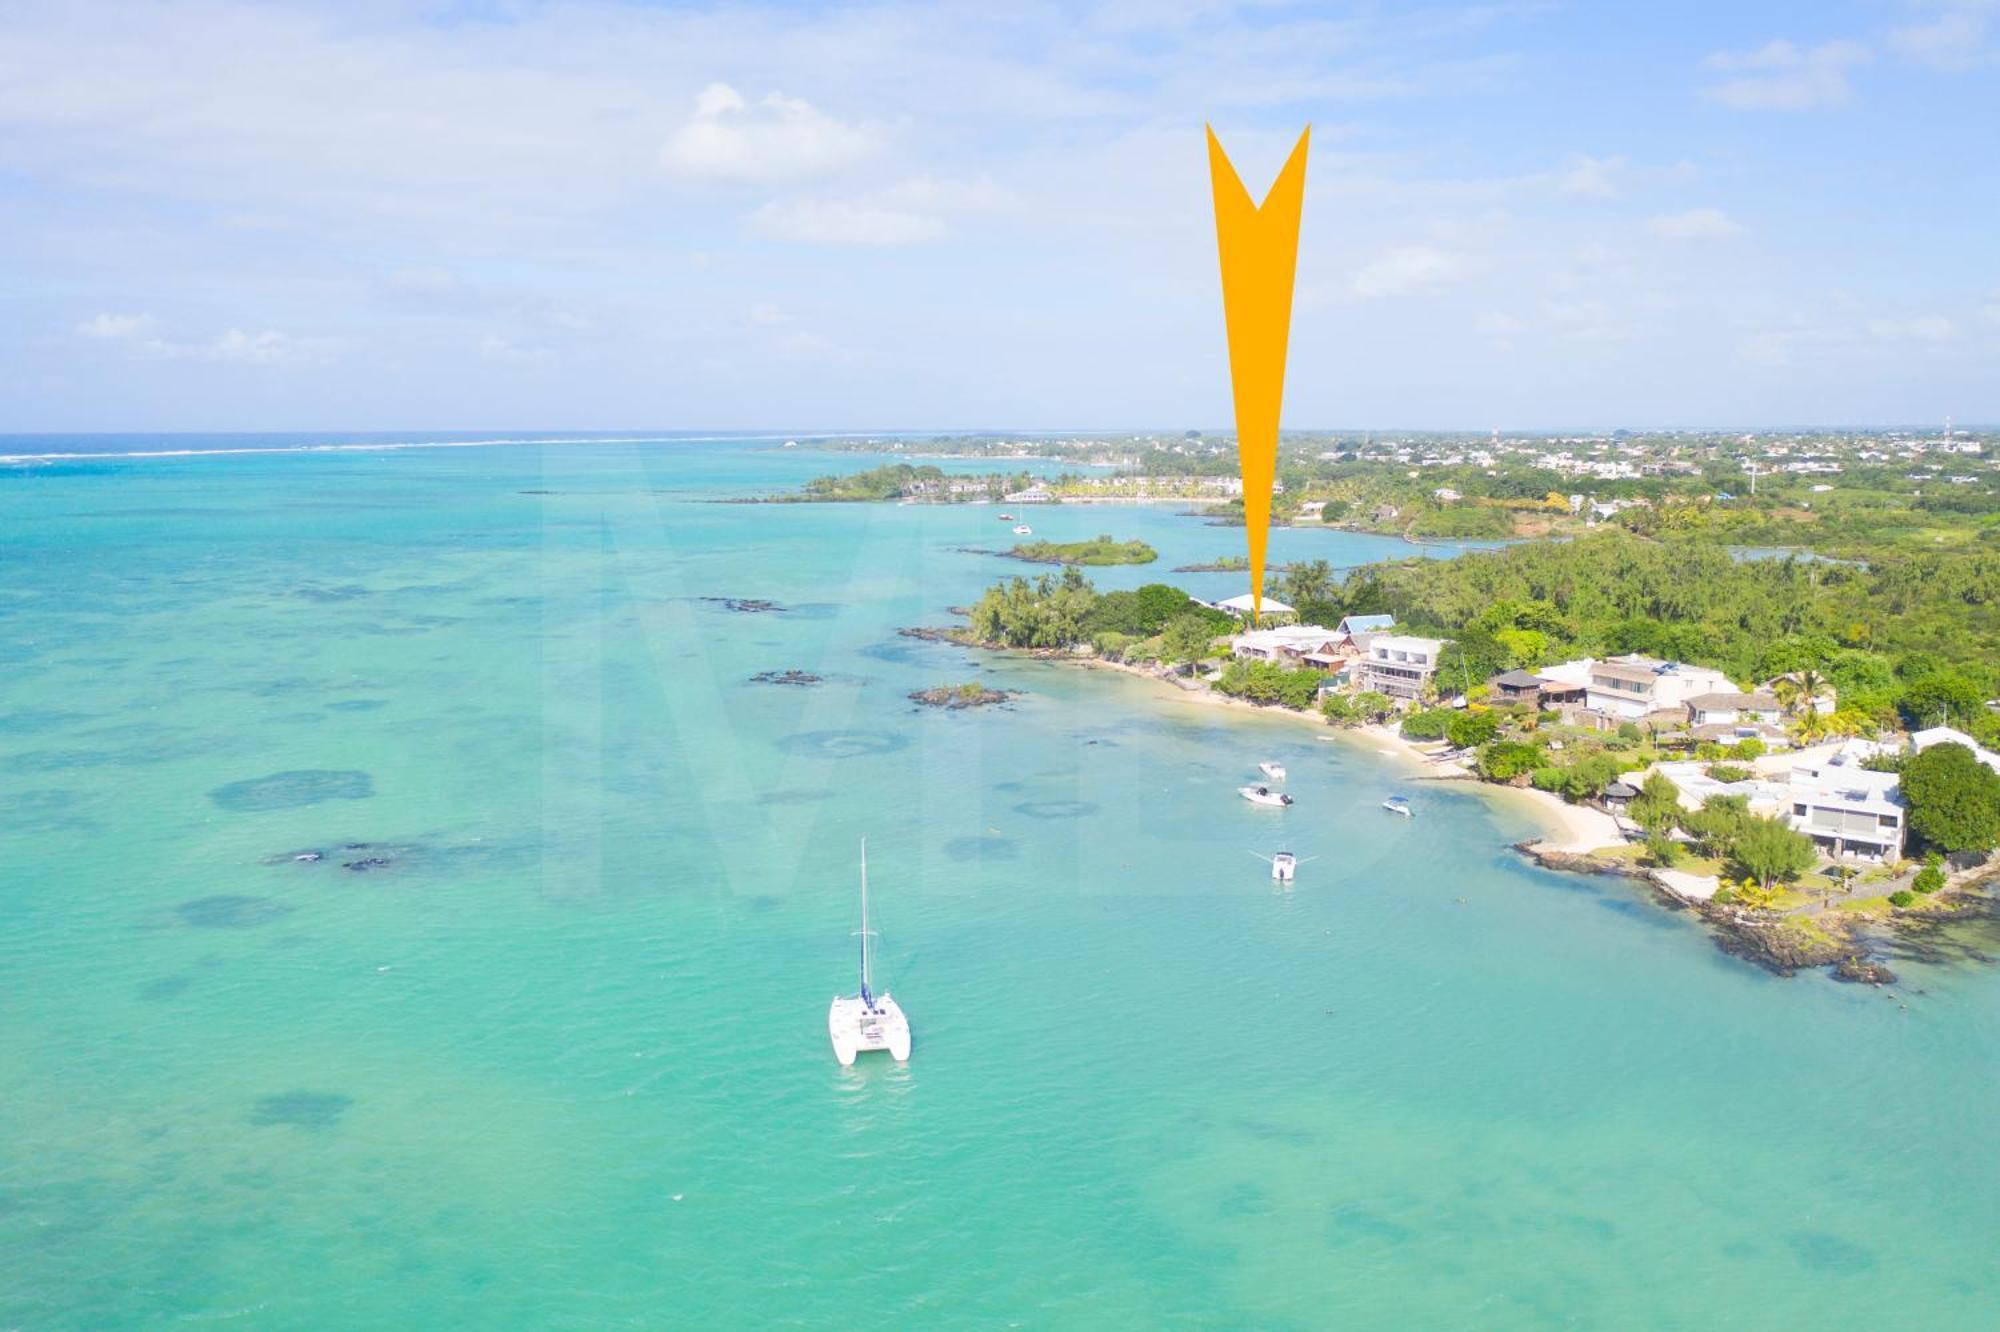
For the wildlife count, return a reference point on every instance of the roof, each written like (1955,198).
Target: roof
(1625,670)
(1517,680)
(1244,605)
(1354,624)
(1716,702)
(1620,791)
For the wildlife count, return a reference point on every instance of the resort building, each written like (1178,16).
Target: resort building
(1400,665)
(1633,687)
(1516,687)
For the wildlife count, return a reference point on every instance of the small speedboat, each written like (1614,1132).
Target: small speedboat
(1284,866)
(1275,771)
(1006,517)
(1024,530)
(1264,795)
(1398,805)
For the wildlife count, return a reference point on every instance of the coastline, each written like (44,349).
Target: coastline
(1566,828)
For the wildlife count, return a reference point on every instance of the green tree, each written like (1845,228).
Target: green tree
(1953,798)
(1186,639)
(1714,827)
(1505,760)
(1306,584)
(1769,851)
(1373,705)
(1470,658)
(1658,806)
(1931,877)
(1468,729)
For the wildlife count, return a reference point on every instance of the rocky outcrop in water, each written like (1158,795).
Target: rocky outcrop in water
(956,698)
(792,677)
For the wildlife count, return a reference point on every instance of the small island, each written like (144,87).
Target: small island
(1097,552)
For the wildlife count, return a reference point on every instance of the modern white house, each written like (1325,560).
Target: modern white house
(1848,810)
(1400,665)
(1632,687)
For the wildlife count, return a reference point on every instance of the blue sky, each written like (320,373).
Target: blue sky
(224,216)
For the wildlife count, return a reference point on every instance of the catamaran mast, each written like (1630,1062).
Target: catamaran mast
(867,997)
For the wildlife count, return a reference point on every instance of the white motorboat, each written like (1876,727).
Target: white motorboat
(1264,795)
(1399,805)
(1024,530)
(1006,517)
(867,1021)
(1275,771)
(1284,866)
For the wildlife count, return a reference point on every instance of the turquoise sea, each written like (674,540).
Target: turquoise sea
(539,1041)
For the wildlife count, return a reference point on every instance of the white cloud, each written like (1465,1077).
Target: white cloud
(1696,224)
(1406,269)
(844,222)
(1780,76)
(774,140)
(1591,177)
(1954,41)
(1914,328)
(115,327)
(267,347)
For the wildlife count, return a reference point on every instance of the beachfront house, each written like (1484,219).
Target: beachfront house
(1848,811)
(1633,687)
(1400,665)
(1288,645)
(1522,687)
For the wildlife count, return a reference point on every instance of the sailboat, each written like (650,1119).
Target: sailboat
(867,1021)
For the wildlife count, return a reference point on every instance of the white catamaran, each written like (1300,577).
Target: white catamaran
(867,1021)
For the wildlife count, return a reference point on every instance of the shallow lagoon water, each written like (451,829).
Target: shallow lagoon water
(559,1058)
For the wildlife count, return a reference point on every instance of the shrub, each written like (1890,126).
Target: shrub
(1931,877)
(1749,747)
(1504,760)
(1662,851)
(1111,643)
(1629,731)
(1338,708)
(1547,779)
(1902,897)
(1428,724)
(1467,729)
(1729,772)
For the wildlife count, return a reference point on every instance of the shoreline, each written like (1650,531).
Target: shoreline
(1566,828)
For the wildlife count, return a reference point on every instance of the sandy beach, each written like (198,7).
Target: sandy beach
(1571,828)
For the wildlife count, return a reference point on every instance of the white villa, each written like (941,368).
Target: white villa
(1850,812)
(1289,644)
(1399,665)
(1633,687)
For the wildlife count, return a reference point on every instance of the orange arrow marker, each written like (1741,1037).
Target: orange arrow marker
(1259,244)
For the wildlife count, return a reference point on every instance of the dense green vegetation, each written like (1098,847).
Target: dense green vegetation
(1156,622)
(1268,682)
(1102,550)
(1911,636)
(890,481)
(1954,799)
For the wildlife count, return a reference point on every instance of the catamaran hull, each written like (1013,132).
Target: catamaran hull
(855,1030)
